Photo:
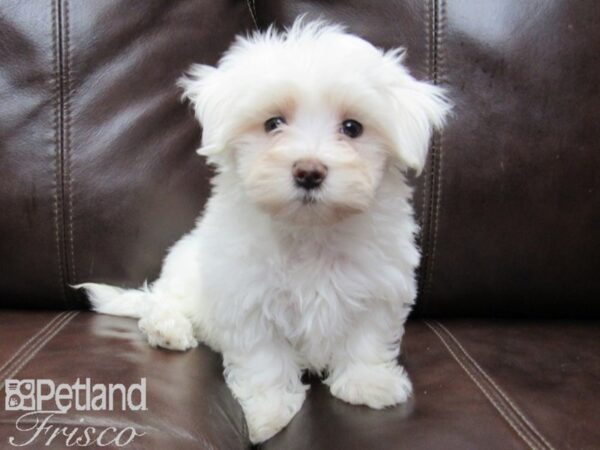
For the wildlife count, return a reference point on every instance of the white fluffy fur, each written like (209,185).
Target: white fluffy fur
(278,280)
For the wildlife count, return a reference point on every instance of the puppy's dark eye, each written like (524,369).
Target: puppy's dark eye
(351,128)
(273,123)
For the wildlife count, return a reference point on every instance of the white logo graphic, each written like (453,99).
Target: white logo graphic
(42,399)
(19,395)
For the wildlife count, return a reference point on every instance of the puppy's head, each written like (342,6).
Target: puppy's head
(308,119)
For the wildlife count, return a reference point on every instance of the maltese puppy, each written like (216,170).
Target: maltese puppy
(304,258)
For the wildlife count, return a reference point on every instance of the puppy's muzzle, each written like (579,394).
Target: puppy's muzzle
(309,173)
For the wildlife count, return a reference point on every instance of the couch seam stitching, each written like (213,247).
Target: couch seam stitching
(252,7)
(67,134)
(58,148)
(482,389)
(500,391)
(40,338)
(521,431)
(424,222)
(34,350)
(28,342)
(437,156)
(25,358)
(428,183)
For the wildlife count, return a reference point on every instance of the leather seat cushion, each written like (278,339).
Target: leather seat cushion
(477,384)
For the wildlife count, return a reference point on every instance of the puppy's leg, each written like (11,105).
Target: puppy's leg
(170,309)
(265,379)
(364,369)
(167,326)
(172,322)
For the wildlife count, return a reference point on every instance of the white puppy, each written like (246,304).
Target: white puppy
(305,255)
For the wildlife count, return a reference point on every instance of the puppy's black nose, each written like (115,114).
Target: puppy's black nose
(309,173)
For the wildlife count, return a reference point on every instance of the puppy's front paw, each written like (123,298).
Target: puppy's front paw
(168,329)
(269,412)
(376,386)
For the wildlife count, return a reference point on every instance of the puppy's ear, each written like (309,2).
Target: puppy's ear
(202,87)
(417,109)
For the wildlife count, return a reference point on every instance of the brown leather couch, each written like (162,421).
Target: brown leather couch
(98,176)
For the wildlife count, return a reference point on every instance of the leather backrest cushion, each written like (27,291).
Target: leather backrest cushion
(99,174)
(510,201)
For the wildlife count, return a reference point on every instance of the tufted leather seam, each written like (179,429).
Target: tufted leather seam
(28,342)
(16,366)
(63,197)
(67,140)
(487,394)
(436,188)
(429,199)
(424,204)
(491,391)
(490,380)
(252,7)
(57,137)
